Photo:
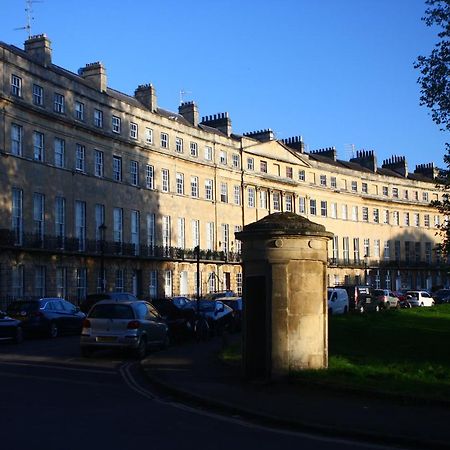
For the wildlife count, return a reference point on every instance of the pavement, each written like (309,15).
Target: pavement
(194,373)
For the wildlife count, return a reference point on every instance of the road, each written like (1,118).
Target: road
(52,399)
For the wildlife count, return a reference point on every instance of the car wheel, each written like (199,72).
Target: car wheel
(53,330)
(345,310)
(141,349)
(18,338)
(421,304)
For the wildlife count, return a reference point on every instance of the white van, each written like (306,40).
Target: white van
(337,301)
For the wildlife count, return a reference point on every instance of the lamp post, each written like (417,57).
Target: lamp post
(102,228)
(197,256)
(366,268)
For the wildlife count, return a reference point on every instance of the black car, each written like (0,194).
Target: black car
(368,303)
(10,329)
(442,296)
(235,303)
(355,293)
(178,314)
(51,316)
(92,299)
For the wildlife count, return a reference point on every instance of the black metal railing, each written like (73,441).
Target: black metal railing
(57,244)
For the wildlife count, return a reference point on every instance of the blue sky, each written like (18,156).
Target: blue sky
(338,72)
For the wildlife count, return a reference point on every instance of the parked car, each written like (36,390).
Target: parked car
(387,298)
(180,318)
(420,298)
(92,299)
(369,303)
(355,292)
(236,304)
(219,294)
(10,329)
(442,296)
(52,316)
(402,300)
(337,301)
(133,326)
(217,317)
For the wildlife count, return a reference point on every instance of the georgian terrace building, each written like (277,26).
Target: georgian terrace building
(104,190)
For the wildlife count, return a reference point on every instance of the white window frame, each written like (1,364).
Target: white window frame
(134,133)
(134,173)
(116,124)
(80,157)
(60,152)
(59,103)
(99,164)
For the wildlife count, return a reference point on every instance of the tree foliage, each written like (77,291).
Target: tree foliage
(434,81)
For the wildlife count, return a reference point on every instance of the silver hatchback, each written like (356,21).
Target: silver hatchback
(133,326)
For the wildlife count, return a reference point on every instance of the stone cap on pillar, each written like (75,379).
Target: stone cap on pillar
(282,224)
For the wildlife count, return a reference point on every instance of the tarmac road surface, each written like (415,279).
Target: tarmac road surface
(52,399)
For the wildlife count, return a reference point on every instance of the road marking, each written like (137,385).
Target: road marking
(132,383)
(48,366)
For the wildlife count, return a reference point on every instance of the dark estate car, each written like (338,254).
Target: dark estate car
(217,317)
(356,292)
(442,296)
(92,299)
(51,316)
(178,314)
(235,303)
(10,329)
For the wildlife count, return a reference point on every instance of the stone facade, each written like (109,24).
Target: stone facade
(75,154)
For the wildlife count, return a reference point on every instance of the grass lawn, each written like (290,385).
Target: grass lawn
(400,351)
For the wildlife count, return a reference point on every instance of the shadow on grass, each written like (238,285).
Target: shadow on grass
(402,351)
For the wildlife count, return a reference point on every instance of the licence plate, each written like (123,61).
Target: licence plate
(368,300)
(106,339)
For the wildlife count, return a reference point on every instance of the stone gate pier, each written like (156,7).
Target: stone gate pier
(285,328)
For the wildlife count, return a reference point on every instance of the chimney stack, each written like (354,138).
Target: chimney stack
(295,143)
(366,158)
(95,74)
(261,135)
(189,110)
(38,48)
(219,121)
(397,164)
(146,94)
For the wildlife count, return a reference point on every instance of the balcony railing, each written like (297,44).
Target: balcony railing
(386,263)
(69,245)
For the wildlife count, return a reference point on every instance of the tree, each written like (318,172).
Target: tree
(434,81)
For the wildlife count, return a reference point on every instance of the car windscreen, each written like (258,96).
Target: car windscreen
(112,311)
(22,306)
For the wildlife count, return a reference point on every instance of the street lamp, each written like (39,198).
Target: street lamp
(102,228)
(366,268)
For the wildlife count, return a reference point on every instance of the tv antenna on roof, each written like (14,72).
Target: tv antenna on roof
(182,93)
(350,150)
(30,18)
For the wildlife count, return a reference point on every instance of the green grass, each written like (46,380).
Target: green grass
(405,352)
